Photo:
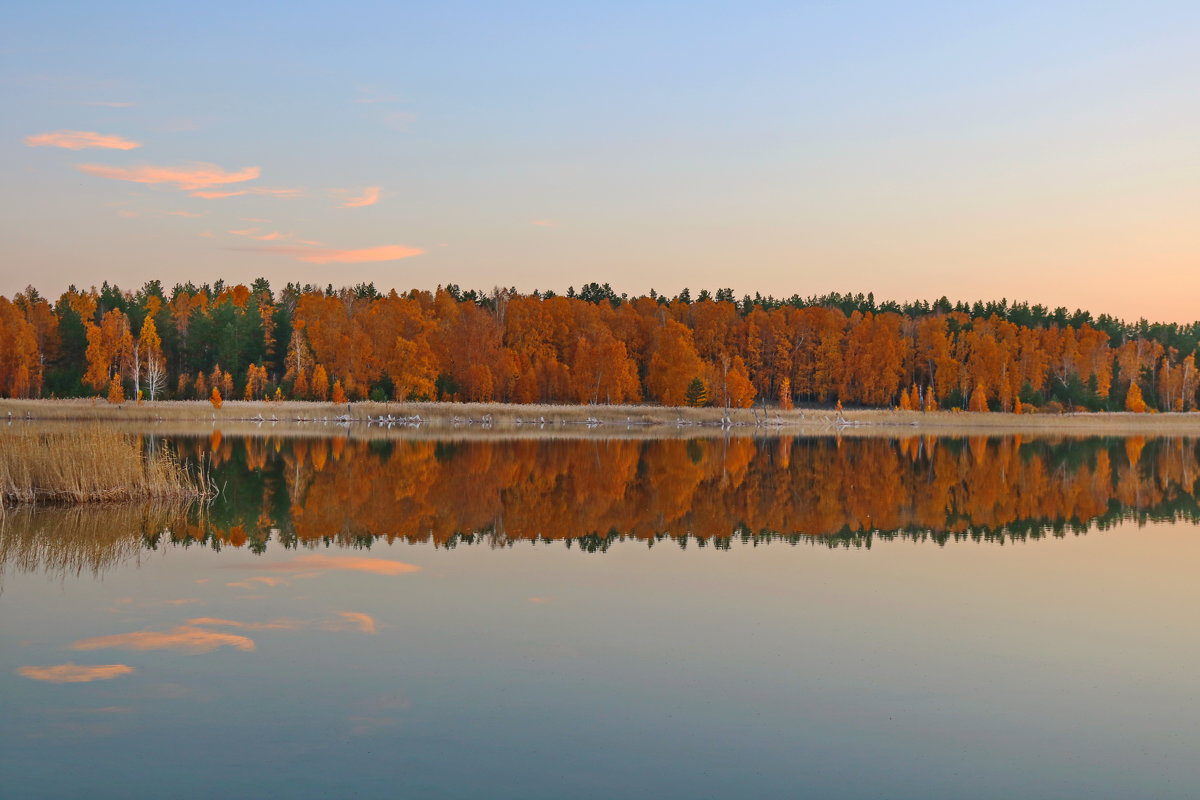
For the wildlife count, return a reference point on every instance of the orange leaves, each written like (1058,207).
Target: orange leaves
(215,397)
(19,362)
(319,389)
(673,364)
(1133,399)
(116,393)
(979,401)
(109,344)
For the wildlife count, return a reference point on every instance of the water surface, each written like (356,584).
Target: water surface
(850,618)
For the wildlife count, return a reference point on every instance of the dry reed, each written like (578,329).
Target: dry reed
(89,465)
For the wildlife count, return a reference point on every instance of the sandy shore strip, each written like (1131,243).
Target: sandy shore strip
(575,420)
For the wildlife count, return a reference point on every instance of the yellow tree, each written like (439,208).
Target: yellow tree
(1133,399)
(979,398)
(673,364)
(109,345)
(150,356)
(320,383)
(116,393)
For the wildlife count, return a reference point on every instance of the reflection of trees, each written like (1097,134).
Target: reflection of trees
(591,491)
(71,541)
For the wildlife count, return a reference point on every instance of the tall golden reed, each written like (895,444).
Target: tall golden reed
(89,465)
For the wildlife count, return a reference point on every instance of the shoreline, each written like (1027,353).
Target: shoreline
(544,420)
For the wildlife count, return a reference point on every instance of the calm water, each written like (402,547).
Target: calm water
(917,618)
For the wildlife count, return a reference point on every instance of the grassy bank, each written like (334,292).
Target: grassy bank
(92,464)
(453,419)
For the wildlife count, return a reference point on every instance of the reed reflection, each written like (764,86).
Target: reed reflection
(279,492)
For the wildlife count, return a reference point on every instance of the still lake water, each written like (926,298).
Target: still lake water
(835,618)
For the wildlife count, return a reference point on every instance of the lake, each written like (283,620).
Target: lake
(834,617)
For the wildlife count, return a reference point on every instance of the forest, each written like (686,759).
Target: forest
(217,342)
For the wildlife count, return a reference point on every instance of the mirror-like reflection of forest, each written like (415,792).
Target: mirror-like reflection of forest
(280,492)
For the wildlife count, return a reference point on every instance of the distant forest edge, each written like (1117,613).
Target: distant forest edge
(218,342)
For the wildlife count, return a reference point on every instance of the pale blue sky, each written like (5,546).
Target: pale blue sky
(1048,152)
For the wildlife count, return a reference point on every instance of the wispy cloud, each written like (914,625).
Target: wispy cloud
(191,177)
(327,255)
(253,233)
(189,214)
(75,673)
(257,190)
(369,197)
(108,104)
(270,625)
(544,223)
(184,638)
(377,566)
(81,140)
(365,622)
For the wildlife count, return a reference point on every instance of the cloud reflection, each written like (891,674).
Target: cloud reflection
(185,638)
(375,566)
(75,673)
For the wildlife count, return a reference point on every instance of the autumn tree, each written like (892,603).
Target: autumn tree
(1133,399)
(320,383)
(116,392)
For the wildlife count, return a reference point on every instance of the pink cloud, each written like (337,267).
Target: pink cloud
(189,178)
(109,104)
(217,195)
(189,214)
(326,255)
(365,622)
(74,673)
(273,236)
(376,566)
(370,197)
(81,140)
(184,638)
(544,223)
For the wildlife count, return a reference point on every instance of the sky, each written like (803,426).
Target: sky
(1046,152)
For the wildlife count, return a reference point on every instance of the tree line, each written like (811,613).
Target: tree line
(217,341)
